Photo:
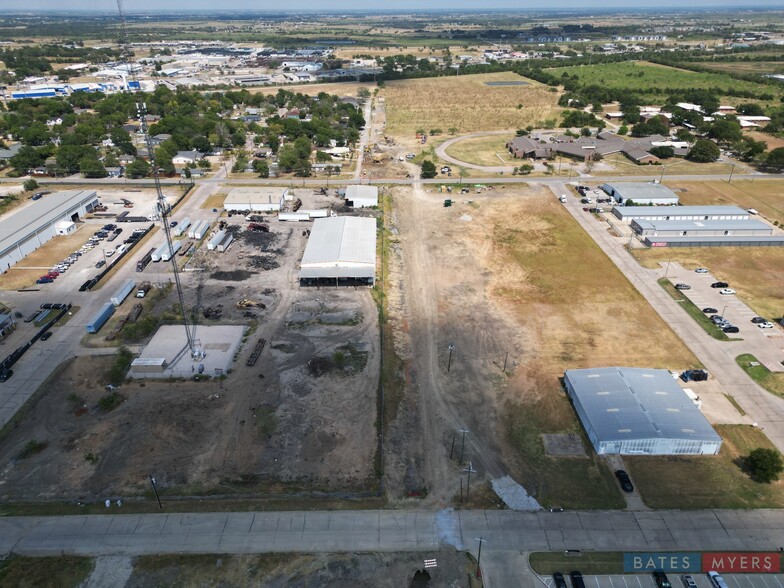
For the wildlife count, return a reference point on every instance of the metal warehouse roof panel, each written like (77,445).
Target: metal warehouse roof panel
(637,403)
(642,191)
(363,192)
(681,211)
(39,214)
(340,242)
(703,225)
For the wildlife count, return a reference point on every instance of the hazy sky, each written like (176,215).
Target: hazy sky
(321,5)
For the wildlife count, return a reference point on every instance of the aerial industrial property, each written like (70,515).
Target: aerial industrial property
(391,299)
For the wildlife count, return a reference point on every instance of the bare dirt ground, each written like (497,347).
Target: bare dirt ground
(506,272)
(303,417)
(302,571)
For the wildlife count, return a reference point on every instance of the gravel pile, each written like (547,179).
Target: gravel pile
(514,495)
(265,262)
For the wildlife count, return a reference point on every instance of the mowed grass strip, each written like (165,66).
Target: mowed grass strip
(773,382)
(467,104)
(757,273)
(577,311)
(589,562)
(707,481)
(692,310)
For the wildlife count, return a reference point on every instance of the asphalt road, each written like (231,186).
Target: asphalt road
(718,358)
(507,535)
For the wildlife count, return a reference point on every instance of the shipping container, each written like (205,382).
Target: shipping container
(195,227)
(293,216)
(167,253)
(156,255)
(100,318)
(315,213)
(225,242)
(123,292)
(181,227)
(217,238)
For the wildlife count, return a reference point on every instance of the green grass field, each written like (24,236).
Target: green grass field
(44,572)
(654,81)
(696,482)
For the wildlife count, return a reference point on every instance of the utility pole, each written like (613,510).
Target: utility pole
(664,167)
(506,358)
(453,445)
(155,489)
(732,169)
(462,446)
(469,469)
(449,361)
(479,557)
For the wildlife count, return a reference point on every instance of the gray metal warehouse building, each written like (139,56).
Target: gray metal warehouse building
(340,251)
(25,231)
(638,411)
(680,213)
(641,193)
(723,241)
(255,199)
(705,228)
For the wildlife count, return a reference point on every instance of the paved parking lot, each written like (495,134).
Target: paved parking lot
(646,580)
(765,344)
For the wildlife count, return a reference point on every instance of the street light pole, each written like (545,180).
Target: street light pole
(155,489)
(479,556)
(449,361)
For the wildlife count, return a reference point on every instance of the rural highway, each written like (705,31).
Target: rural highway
(507,534)
(718,358)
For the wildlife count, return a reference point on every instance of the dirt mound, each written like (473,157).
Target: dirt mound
(231,276)
(265,262)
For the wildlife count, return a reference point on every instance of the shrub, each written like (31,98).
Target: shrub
(31,448)
(764,465)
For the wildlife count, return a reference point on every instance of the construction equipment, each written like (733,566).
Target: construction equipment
(254,356)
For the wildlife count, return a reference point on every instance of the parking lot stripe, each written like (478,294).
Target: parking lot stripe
(625,583)
(778,581)
(638,581)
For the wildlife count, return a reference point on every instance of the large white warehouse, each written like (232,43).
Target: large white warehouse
(340,251)
(255,199)
(637,411)
(25,231)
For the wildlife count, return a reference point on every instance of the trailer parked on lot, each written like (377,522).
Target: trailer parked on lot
(212,244)
(167,253)
(145,260)
(181,227)
(194,227)
(225,242)
(100,318)
(293,216)
(203,229)
(123,292)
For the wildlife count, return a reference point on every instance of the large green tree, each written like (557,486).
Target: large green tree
(765,465)
(428,169)
(704,151)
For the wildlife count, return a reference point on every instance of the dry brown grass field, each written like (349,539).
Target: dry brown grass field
(467,104)
(338,89)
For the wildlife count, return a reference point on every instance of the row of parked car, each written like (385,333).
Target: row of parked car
(661,579)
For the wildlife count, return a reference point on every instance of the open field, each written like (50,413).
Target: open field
(510,272)
(772,142)
(43,258)
(746,67)
(467,104)
(655,81)
(44,572)
(675,165)
(694,482)
(385,570)
(484,151)
(773,382)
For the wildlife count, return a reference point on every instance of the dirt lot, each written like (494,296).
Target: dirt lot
(510,273)
(301,571)
(302,418)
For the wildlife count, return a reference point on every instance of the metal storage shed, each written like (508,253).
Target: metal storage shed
(340,250)
(362,196)
(637,411)
(641,193)
(255,199)
(683,213)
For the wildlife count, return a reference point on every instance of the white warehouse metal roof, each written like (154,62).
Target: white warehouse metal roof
(339,243)
(618,404)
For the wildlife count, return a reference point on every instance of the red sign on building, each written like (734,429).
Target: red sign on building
(751,562)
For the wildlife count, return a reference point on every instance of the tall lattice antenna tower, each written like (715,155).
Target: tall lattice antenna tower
(162,204)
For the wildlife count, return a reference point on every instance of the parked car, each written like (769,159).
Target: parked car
(701,270)
(681,286)
(688,581)
(726,291)
(765,325)
(577,580)
(719,285)
(625,481)
(558,578)
(752,211)
(716,319)
(173,224)
(661,579)
(758,319)
(44,280)
(731,329)
(100,264)
(709,310)
(5,375)
(46,335)
(716,579)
